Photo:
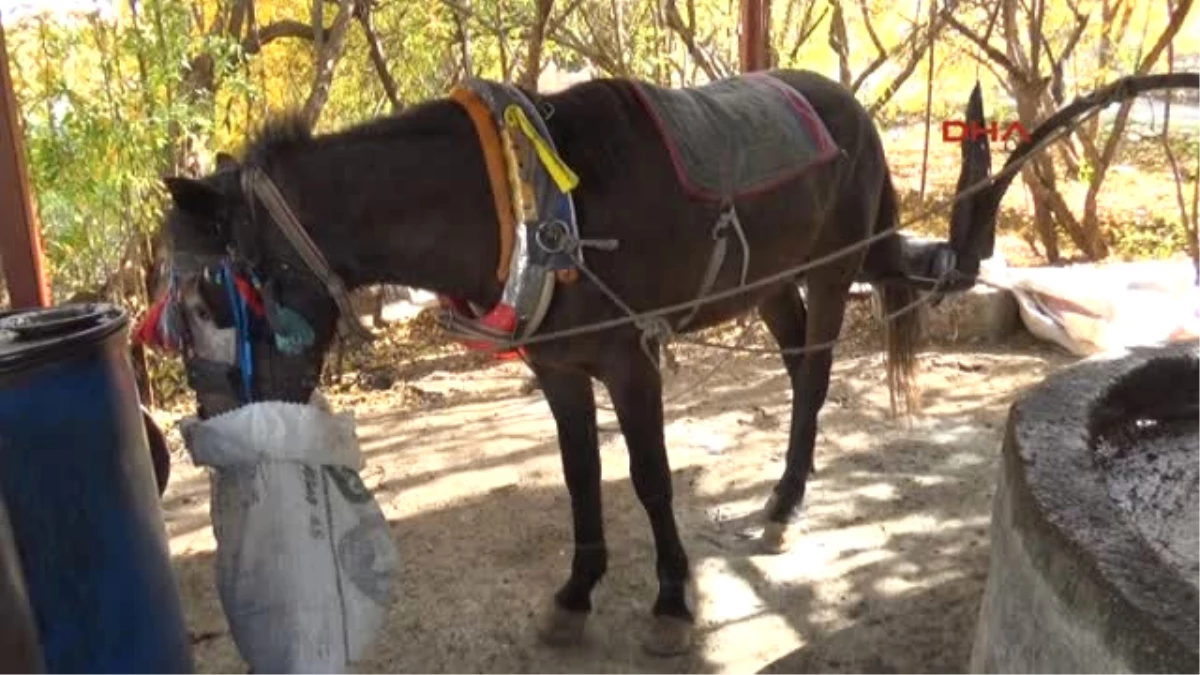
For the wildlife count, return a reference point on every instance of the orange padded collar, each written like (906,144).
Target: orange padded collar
(493,156)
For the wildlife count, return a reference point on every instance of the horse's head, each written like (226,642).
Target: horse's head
(250,317)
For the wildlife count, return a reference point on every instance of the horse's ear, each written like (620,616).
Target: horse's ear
(195,197)
(225,161)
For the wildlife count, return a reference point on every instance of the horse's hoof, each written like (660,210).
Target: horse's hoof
(669,636)
(778,537)
(560,627)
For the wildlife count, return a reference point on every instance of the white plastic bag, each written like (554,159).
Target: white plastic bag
(305,560)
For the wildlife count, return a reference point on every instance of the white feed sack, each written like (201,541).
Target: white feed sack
(305,561)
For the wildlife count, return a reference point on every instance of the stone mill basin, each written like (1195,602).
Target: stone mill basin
(1094,558)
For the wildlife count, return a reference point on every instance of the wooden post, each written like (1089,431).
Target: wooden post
(20,244)
(755,35)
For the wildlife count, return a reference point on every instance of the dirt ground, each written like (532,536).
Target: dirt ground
(887,576)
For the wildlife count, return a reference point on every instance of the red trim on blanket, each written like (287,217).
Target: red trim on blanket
(826,147)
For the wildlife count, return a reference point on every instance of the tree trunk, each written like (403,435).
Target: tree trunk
(328,51)
(533,54)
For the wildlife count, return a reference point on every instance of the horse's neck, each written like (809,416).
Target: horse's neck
(413,211)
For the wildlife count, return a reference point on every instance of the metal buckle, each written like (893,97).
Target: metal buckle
(553,236)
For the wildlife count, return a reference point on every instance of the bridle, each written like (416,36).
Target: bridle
(248,299)
(255,183)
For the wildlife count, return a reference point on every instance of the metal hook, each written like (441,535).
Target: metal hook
(554,237)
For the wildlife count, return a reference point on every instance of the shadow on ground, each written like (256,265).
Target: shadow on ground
(886,576)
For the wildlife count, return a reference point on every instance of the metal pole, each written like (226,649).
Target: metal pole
(20,244)
(755,35)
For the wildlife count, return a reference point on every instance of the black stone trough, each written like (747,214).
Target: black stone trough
(1094,526)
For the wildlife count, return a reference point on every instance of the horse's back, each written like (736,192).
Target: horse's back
(631,190)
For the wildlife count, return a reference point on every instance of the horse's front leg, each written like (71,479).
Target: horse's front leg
(636,389)
(573,404)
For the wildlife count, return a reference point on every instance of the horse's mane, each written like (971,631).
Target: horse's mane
(278,134)
(287,131)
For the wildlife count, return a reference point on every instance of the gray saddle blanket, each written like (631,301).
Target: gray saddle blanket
(738,136)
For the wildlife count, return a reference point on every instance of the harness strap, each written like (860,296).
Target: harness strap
(255,182)
(494,159)
(717,258)
(727,218)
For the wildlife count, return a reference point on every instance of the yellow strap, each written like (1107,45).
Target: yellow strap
(524,205)
(562,174)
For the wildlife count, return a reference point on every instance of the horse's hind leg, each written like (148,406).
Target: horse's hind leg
(636,389)
(573,404)
(794,326)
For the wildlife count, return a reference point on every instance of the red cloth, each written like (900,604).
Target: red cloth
(250,294)
(147,333)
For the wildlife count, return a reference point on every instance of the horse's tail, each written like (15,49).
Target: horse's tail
(902,332)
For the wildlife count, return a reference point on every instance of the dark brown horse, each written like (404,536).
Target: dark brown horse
(406,200)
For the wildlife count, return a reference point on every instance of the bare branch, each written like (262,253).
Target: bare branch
(533,54)
(556,23)
(1118,126)
(619,31)
(992,53)
(1057,88)
(378,59)
(462,33)
(840,43)
(1012,38)
(318,19)
(687,33)
(599,40)
(566,38)
(807,28)
(909,68)
(790,11)
(1190,229)
(502,41)
(931,51)
(917,48)
(862,5)
(910,42)
(1036,34)
(286,28)
(882,54)
(237,17)
(1167,36)
(1081,23)
(995,16)
(556,32)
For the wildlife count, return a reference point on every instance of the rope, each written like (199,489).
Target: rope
(703,379)
(822,346)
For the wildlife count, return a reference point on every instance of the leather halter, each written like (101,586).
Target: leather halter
(256,183)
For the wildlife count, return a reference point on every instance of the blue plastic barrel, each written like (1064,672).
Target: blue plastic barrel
(19,649)
(77,480)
